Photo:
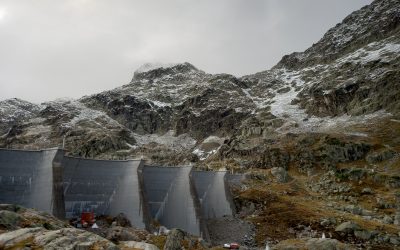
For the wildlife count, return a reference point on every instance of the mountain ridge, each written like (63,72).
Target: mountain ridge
(179,99)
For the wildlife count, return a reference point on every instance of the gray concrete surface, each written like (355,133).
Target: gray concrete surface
(169,198)
(175,197)
(26,178)
(105,187)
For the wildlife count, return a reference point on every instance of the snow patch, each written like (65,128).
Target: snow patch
(357,134)
(86,113)
(290,77)
(372,53)
(152,66)
(169,139)
(297,120)
(260,103)
(214,139)
(82,113)
(208,147)
(203,155)
(132,146)
(282,107)
(17,109)
(160,104)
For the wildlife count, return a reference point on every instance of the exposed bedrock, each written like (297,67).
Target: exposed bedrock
(304,152)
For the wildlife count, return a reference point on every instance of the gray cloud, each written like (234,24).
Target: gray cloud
(51,49)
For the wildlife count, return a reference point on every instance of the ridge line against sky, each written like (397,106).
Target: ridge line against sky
(51,49)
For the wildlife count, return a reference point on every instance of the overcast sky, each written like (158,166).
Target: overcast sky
(51,49)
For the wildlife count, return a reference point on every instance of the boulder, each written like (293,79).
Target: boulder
(16,238)
(14,217)
(280,174)
(174,240)
(122,234)
(137,245)
(387,219)
(347,227)
(366,191)
(397,219)
(9,219)
(12,207)
(353,209)
(394,240)
(72,238)
(122,220)
(380,156)
(325,244)
(67,238)
(326,222)
(363,234)
(383,204)
(354,174)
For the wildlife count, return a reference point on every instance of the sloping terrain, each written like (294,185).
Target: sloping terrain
(348,77)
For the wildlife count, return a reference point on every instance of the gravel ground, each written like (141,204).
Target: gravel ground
(230,229)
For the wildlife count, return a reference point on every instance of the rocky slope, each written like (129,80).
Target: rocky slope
(23,228)
(349,77)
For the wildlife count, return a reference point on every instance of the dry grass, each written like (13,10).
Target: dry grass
(23,244)
(286,205)
(292,244)
(158,240)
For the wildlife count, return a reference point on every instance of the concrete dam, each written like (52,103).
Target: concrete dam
(175,197)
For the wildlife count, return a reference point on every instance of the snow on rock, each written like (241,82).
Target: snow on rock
(160,104)
(372,52)
(208,147)
(359,134)
(16,109)
(152,66)
(169,139)
(297,120)
(82,113)
(213,139)
(184,82)
(281,103)
(169,88)
(290,77)
(203,155)
(260,103)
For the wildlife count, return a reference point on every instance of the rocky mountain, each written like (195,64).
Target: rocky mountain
(349,77)
(353,67)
